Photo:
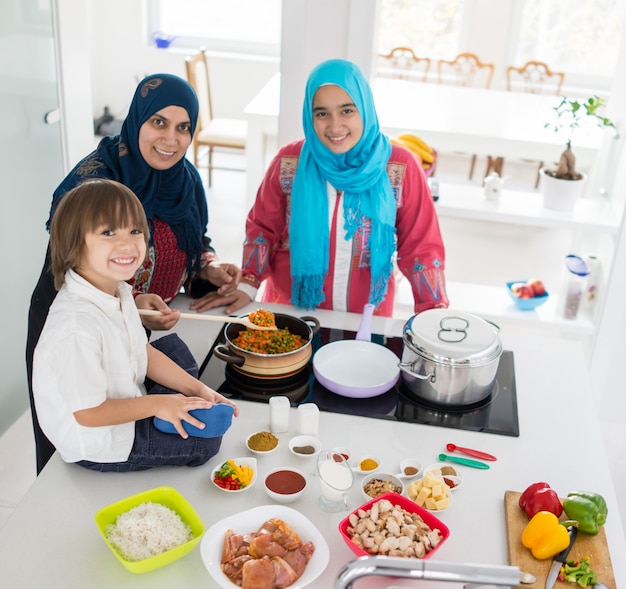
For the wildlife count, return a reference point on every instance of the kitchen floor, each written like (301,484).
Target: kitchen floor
(227,204)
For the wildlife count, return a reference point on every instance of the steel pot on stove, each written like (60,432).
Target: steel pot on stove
(450,357)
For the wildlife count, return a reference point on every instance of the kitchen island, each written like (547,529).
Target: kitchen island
(51,540)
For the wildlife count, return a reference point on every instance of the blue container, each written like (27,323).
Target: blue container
(162,40)
(217,420)
(525,304)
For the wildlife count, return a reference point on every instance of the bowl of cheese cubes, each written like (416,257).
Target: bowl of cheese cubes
(431,491)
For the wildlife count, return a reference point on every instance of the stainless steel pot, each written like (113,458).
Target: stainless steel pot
(450,357)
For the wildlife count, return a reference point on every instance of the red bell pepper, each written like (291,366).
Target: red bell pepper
(540,497)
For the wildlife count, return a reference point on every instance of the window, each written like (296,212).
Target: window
(432,28)
(580,38)
(239,26)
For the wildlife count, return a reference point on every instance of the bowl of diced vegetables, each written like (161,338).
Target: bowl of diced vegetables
(235,475)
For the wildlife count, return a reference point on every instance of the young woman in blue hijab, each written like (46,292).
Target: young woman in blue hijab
(335,209)
(148,156)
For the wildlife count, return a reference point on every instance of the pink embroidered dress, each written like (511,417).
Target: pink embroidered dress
(420,249)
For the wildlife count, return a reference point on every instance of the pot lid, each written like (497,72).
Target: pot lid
(448,336)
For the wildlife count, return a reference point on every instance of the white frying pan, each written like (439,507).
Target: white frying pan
(357,368)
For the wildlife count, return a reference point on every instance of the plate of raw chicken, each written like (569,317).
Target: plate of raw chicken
(250,548)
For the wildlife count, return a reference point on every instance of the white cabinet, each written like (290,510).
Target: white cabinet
(594,223)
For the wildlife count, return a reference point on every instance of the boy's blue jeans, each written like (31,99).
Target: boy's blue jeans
(153,447)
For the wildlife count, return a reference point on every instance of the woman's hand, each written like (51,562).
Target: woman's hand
(225,276)
(157,322)
(235,300)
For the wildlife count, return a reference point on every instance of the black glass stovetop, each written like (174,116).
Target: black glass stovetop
(495,415)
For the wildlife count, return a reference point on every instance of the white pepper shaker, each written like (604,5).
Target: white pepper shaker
(308,419)
(279,414)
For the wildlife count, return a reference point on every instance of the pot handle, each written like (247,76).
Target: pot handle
(316,323)
(224,353)
(409,368)
(495,325)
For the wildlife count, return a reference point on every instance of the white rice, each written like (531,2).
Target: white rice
(147,530)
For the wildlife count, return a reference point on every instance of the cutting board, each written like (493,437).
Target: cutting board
(595,547)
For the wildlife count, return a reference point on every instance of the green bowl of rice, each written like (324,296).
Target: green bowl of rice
(151,529)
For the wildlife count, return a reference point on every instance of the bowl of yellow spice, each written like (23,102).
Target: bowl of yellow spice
(262,442)
(367,465)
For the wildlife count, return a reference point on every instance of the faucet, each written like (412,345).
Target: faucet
(388,566)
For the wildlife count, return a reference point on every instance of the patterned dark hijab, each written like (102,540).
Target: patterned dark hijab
(176,195)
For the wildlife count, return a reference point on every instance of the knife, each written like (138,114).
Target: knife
(560,558)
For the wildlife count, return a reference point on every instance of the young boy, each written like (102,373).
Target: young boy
(91,362)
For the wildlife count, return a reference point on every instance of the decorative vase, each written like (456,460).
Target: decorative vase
(561,195)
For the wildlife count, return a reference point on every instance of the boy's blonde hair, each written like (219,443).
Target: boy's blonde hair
(82,210)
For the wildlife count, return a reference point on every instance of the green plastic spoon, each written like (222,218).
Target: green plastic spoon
(465,461)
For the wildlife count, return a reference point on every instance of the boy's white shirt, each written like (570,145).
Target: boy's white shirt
(93,346)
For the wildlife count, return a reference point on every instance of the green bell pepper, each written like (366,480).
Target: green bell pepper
(588,509)
(577,571)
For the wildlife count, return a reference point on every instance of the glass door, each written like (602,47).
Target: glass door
(30,167)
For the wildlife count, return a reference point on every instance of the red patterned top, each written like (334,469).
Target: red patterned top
(168,276)
(420,249)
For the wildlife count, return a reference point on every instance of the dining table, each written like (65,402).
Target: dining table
(450,118)
(52,541)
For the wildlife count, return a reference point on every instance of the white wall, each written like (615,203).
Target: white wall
(121,55)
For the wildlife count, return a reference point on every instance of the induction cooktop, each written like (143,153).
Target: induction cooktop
(497,414)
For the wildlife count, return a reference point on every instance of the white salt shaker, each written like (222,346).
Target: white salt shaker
(308,419)
(279,414)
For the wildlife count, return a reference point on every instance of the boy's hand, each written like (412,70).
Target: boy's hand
(175,408)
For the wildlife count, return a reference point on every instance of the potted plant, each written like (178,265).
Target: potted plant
(563,184)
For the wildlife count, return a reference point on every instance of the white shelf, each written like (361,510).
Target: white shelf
(525,208)
(493,303)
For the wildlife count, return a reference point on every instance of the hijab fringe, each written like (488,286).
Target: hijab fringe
(381,263)
(306,291)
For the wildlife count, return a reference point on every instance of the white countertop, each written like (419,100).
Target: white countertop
(51,540)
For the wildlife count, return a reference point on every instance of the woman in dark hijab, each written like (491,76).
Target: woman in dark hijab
(148,156)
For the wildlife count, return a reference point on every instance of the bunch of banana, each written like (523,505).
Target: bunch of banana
(422,151)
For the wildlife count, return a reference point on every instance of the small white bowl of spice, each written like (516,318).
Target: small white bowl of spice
(305,446)
(367,465)
(262,442)
(409,469)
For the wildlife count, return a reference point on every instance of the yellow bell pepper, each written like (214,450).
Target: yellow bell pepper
(545,536)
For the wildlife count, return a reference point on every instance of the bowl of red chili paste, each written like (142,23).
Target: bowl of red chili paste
(285,484)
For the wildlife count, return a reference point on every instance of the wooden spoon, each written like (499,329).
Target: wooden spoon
(220,318)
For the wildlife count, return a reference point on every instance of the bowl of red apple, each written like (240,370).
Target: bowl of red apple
(527,295)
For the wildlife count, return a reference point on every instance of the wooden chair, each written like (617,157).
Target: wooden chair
(466,69)
(212,132)
(402,63)
(534,77)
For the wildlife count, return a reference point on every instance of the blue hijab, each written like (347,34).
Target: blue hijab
(361,174)
(176,195)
